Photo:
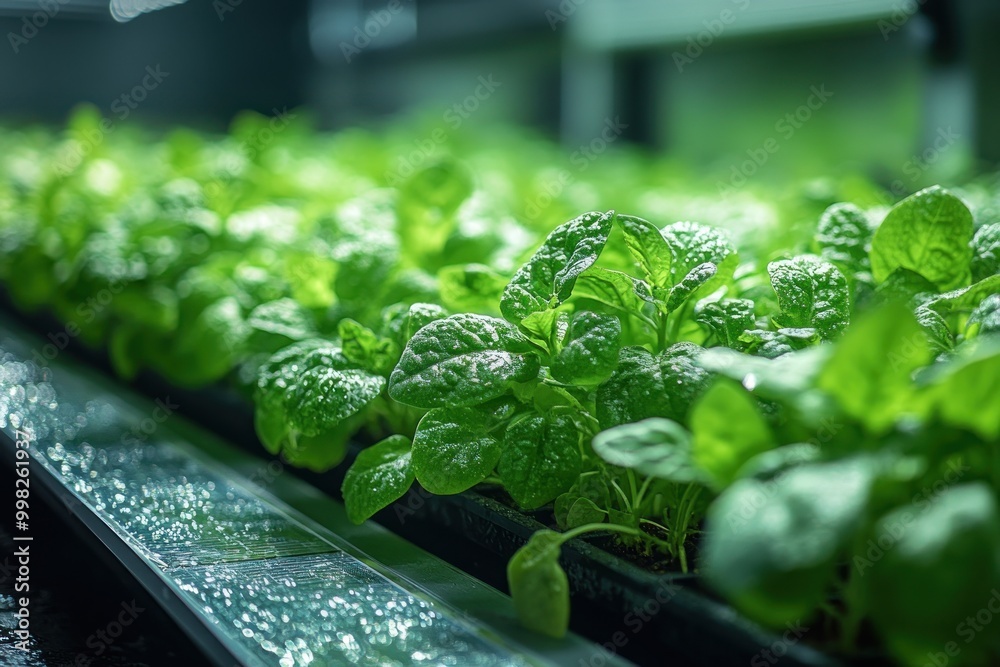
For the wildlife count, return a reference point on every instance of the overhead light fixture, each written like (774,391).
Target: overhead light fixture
(126,10)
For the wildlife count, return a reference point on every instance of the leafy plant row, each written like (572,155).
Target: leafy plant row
(811,421)
(819,446)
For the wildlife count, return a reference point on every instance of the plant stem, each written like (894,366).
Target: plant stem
(642,491)
(611,527)
(682,521)
(661,332)
(677,319)
(628,505)
(854,610)
(595,426)
(632,487)
(594,527)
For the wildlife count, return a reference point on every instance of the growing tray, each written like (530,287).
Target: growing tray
(255,571)
(642,616)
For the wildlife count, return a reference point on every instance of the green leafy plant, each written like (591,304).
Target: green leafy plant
(761,417)
(896,508)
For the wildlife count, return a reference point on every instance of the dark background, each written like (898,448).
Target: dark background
(566,65)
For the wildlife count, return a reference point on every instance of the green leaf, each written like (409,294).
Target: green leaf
(444,184)
(125,348)
(691,245)
(408,285)
(328,390)
(547,279)
(646,386)
(311,278)
(869,372)
(728,431)
(590,349)
(472,288)
(690,285)
(590,486)
(843,236)
(379,476)
(542,324)
(615,289)
(986,252)
(772,547)
(811,293)
(206,349)
(964,299)
(653,447)
(939,336)
(153,307)
(774,462)
(541,459)
(305,392)
(453,450)
(790,378)
(284,317)
(944,553)
(462,360)
(323,451)
(582,512)
(985,319)
(363,347)
(538,585)
(365,260)
(905,286)
(727,319)
(270,423)
(773,344)
(965,390)
(276,324)
(929,233)
(648,248)
(419,315)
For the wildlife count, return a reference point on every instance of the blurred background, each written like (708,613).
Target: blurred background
(902,90)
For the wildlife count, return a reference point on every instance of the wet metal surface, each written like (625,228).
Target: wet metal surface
(174,510)
(274,590)
(296,609)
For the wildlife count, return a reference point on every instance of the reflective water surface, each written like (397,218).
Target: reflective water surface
(278,592)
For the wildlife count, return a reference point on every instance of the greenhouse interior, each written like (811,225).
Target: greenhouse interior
(574,333)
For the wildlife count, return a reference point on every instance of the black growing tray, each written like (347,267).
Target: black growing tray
(645,617)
